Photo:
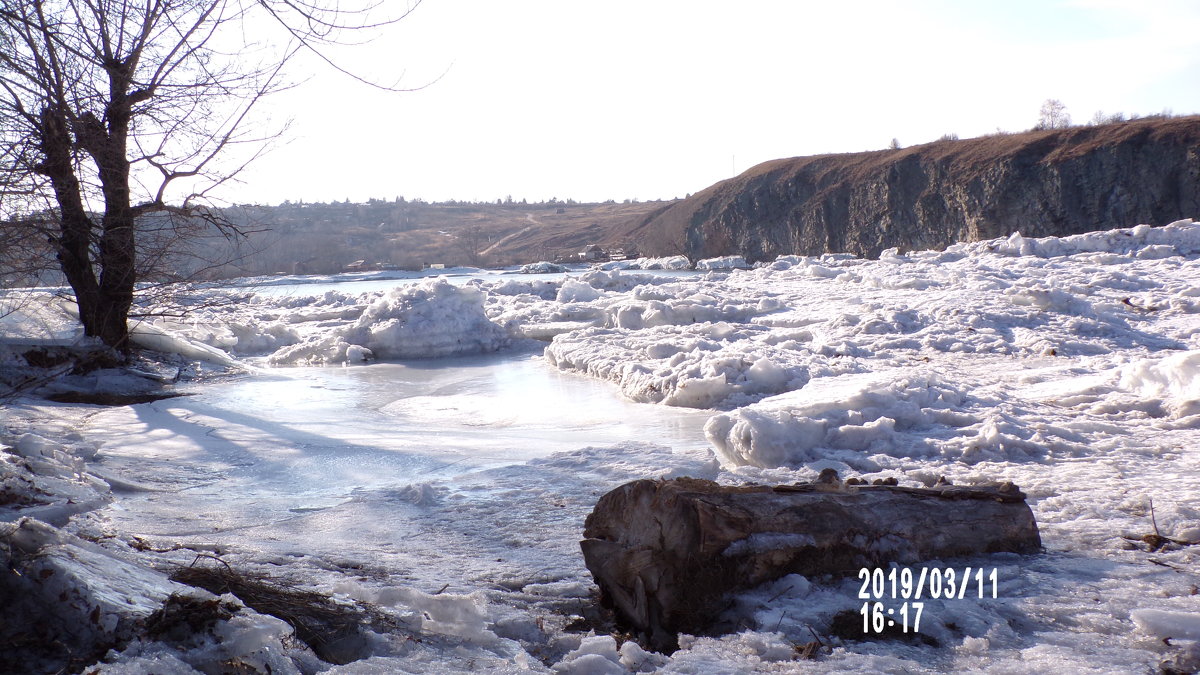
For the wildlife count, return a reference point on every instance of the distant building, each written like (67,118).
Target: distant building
(357,266)
(592,253)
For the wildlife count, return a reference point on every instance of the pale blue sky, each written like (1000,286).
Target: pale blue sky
(653,99)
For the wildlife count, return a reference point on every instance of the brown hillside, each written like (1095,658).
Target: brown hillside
(324,238)
(1039,182)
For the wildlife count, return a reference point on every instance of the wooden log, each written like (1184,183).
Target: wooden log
(665,554)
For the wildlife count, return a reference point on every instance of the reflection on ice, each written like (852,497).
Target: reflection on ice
(296,440)
(489,409)
(382,281)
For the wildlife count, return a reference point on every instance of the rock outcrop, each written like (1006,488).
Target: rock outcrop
(1040,183)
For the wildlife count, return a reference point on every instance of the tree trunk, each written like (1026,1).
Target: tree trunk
(104,303)
(118,257)
(665,554)
(75,225)
(118,253)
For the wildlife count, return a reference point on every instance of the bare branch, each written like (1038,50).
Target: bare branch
(109,109)
(317,32)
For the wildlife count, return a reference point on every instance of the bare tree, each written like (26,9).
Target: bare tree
(679,243)
(1102,117)
(471,241)
(1053,115)
(114,110)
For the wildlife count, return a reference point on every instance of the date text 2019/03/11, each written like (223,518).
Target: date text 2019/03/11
(904,583)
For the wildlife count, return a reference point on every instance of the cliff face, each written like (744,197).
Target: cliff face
(1040,183)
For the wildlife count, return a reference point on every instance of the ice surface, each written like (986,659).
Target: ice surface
(1165,624)
(847,416)
(729,262)
(453,491)
(43,479)
(149,336)
(543,267)
(675,262)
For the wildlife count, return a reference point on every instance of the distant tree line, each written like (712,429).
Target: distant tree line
(399,199)
(1053,115)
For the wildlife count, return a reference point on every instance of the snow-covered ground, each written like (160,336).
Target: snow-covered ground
(452,492)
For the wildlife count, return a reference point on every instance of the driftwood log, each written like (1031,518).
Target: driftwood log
(665,554)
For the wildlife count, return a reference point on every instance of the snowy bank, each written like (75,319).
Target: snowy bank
(674,262)
(427,320)
(41,478)
(1176,239)
(844,417)
(543,267)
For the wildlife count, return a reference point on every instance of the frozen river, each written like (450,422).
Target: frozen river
(453,492)
(364,282)
(288,441)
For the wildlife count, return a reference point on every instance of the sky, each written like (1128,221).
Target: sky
(657,99)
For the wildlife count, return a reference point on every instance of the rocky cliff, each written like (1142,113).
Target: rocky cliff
(1051,182)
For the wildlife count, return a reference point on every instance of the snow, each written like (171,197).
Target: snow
(63,579)
(1147,243)
(543,267)
(576,291)
(1163,624)
(428,320)
(46,480)
(843,417)
(149,336)
(445,476)
(600,655)
(674,262)
(1175,380)
(460,615)
(729,262)
(689,366)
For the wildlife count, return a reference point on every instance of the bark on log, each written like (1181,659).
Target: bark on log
(666,553)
